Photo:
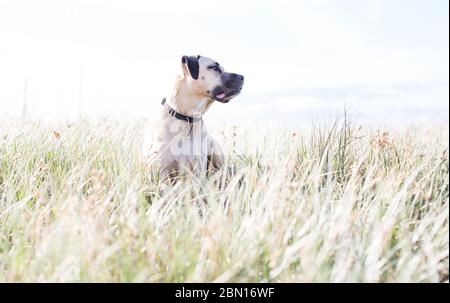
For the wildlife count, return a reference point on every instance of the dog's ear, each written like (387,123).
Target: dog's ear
(192,65)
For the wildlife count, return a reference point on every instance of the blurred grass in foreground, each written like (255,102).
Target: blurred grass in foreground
(332,204)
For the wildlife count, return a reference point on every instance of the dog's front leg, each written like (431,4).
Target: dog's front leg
(215,155)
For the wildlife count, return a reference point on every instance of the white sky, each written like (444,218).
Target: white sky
(388,60)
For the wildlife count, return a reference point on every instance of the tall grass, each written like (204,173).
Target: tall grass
(333,204)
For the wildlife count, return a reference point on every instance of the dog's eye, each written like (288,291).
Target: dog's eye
(214,68)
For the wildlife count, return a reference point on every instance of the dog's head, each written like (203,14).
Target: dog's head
(208,78)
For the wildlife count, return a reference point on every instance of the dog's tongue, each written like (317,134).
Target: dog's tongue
(220,96)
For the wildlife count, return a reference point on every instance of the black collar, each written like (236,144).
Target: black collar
(177,115)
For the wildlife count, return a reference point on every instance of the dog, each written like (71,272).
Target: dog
(180,141)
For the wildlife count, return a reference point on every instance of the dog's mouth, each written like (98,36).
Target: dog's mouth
(225,97)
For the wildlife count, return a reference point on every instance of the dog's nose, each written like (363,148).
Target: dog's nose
(238,77)
(235,81)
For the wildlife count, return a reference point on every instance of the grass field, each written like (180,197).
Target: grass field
(329,204)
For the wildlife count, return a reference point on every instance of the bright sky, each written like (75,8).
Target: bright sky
(388,60)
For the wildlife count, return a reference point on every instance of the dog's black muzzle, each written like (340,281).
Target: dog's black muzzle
(232,86)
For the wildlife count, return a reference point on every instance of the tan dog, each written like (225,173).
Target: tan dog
(180,142)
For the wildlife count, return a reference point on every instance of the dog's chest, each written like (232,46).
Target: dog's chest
(184,145)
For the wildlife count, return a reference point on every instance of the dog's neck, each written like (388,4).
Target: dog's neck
(188,102)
